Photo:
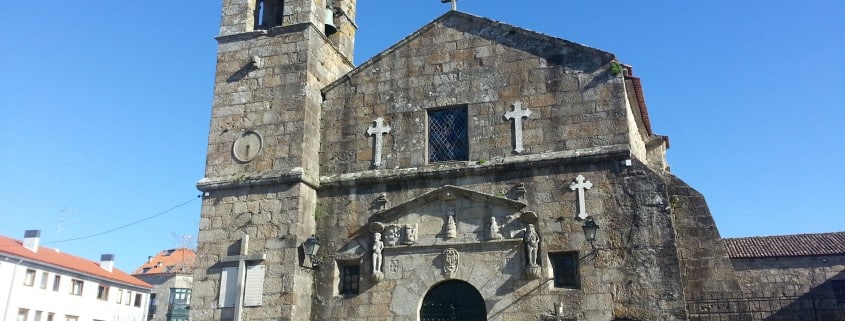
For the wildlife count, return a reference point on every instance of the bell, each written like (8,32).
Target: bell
(330,27)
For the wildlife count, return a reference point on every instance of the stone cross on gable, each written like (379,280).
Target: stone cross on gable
(378,129)
(517,114)
(580,184)
(244,285)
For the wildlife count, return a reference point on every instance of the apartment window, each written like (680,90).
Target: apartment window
(76,287)
(50,316)
(37,316)
(180,296)
(71,317)
(29,278)
(128,297)
(22,314)
(349,276)
(44,280)
(119,296)
(447,135)
(153,306)
(57,280)
(103,292)
(565,267)
(138,298)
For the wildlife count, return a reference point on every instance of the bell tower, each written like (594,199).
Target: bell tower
(262,171)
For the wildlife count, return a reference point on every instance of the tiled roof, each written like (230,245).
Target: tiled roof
(49,256)
(786,245)
(169,261)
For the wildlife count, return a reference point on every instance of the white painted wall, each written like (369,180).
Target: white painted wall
(86,306)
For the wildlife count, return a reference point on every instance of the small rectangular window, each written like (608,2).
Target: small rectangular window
(71,317)
(120,296)
(448,139)
(57,280)
(29,278)
(138,298)
(349,276)
(44,279)
(37,316)
(128,297)
(22,314)
(76,287)
(565,267)
(180,296)
(103,292)
(50,316)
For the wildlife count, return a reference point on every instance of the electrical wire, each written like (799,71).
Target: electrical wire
(128,224)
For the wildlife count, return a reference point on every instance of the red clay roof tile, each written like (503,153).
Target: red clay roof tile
(179,261)
(53,257)
(786,245)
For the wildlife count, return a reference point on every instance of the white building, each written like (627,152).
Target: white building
(43,284)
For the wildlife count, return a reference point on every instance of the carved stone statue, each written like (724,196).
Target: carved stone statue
(532,244)
(494,230)
(378,246)
(451,227)
(450,261)
(392,235)
(409,234)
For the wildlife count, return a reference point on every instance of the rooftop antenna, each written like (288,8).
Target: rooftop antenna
(454,3)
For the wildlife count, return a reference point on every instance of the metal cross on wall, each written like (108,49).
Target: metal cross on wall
(256,275)
(378,129)
(517,114)
(580,184)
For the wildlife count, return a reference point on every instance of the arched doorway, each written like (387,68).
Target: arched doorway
(453,301)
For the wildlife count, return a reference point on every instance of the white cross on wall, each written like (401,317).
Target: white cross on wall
(580,184)
(377,130)
(517,114)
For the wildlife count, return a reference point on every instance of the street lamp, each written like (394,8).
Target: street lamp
(590,228)
(310,247)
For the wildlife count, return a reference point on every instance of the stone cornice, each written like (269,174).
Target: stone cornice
(472,168)
(447,170)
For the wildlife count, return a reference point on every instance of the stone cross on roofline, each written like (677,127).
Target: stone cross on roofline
(517,114)
(378,129)
(241,274)
(580,184)
(454,3)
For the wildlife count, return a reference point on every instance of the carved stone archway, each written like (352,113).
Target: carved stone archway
(453,300)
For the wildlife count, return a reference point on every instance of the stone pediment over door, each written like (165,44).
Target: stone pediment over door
(449,216)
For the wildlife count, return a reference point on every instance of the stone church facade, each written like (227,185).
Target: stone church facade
(450,177)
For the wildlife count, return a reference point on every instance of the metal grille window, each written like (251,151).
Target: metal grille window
(447,135)
(565,267)
(349,275)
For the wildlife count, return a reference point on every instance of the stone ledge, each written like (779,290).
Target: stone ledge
(467,247)
(462,169)
(296,175)
(449,170)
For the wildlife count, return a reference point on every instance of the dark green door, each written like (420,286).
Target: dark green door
(453,301)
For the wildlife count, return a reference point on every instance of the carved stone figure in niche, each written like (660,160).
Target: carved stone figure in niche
(450,261)
(451,226)
(409,234)
(378,246)
(532,244)
(392,235)
(493,229)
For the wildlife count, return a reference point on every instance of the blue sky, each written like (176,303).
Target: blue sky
(105,106)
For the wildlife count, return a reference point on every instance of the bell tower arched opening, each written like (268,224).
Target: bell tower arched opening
(453,300)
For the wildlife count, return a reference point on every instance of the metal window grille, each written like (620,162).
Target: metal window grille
(349,275)
(565,269)
(447,135)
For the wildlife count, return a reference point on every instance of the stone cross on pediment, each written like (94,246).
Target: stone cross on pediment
(517,114)
(580,184)
(243,285)
(378,129)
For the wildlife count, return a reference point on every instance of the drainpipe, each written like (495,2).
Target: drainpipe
(11,286)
